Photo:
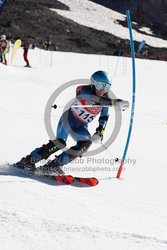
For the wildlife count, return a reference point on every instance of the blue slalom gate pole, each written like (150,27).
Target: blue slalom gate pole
(133,95)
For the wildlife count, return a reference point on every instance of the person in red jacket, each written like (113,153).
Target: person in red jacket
(25,54)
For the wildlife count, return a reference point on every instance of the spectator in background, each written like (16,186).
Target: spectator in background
(145,54)
(47,44)
(33,45)
(25,54)
(4,48)
(118,53)
(161,56)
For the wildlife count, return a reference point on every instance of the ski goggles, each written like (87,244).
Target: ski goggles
(103,86)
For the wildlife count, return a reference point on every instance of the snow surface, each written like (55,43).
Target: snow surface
(146,30)
(99,17)
(117,214)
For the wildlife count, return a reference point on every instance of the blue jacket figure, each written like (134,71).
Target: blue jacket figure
(91,100)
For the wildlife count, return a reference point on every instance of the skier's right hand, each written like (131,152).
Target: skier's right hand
(120,104)
(98,136)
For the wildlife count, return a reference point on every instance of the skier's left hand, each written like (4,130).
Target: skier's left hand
(98,136)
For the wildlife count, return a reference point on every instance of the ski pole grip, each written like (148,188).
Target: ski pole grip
(54,106)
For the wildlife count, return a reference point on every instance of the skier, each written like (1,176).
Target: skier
(25,54)
(91,100)
(3,49)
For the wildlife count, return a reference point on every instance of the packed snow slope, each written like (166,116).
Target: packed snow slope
(129,213)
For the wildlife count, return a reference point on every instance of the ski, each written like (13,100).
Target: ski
(63,178)
(69,179)
(90,181)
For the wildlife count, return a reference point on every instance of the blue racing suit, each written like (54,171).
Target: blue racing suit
(75,122)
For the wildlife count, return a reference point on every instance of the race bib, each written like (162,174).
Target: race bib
(85,111)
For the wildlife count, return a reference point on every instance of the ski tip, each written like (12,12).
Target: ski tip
(97,181)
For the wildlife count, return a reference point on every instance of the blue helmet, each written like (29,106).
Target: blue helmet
(101,80)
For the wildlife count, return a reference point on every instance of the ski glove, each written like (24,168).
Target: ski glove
(120,104)
(98,136)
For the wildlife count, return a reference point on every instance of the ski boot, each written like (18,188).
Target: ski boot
(47,149)
(54,166)
(27,163)
(51,168)
(39,154)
